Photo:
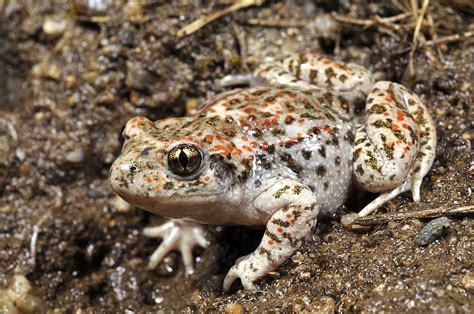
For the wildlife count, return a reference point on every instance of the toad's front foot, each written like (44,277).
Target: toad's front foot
(177,235)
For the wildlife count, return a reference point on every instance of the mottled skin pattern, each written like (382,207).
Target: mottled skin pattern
(276,155)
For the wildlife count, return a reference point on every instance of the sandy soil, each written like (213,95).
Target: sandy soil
(71,77)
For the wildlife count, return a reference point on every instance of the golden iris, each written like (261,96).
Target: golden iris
(184,159)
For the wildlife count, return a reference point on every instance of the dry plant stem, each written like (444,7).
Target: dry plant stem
(276,23)
(416,33)
(375,20)
(204,20)
(420,214)
(434,35)
(450,38)
(419,20)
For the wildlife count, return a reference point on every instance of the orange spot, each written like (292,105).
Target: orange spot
(270,242)
(149,180)
(219,148)
(281,142)
(310,133)
(395,127)
(288,215)
(292,141)
(250,110)
(293,221)
(405,126)
(157,187)
(266,123)
(253,144)
(264,105)
(389,145)
(280,230)
(328,129)
(275,120)
(211,110)
(247,148)
(293,95)
(301,121)
(388,98)
(386,113)
(327,61)
(299,136)
(235,150)
(244,138)
(398,142)
(209,138)
(206,178)
(264,145)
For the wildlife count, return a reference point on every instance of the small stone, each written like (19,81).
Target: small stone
(234,308)
(191,105)
(323,305)
(8,143)
(121,205)
(433,230)
(392,224)
(91,7)
(18,297)
(75,156)
(406,227)
(380,288)
(304,275)
(297,257)
(54,26)
(468,280)
(46,70)
(106,99)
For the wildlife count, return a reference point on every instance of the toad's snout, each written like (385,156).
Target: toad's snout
(122,174)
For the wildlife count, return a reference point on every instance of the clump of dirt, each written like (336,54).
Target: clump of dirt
(72,75)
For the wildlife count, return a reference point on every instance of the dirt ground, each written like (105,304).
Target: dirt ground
(72,75)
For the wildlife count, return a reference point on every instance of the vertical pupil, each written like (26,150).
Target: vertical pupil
(183,159)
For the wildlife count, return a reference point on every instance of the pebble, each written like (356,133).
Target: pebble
(54,26)
(8,143)
(75,156)
(18,297)
(468,280)
(433,230)
(234,308)
(121,205)
(91,7)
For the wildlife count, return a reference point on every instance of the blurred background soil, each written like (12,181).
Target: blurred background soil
(73,72)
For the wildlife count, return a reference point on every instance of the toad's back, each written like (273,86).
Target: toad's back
(280,131)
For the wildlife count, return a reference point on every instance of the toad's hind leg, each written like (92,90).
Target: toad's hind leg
(313,70)
(395,148)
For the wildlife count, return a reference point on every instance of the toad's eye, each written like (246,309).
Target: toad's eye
(185,159)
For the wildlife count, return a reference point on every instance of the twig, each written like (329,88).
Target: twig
(416,33)
(34,237)
(204,20)
(428,213)
(447,39)
(420,20)
(375,20)
(276,23)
